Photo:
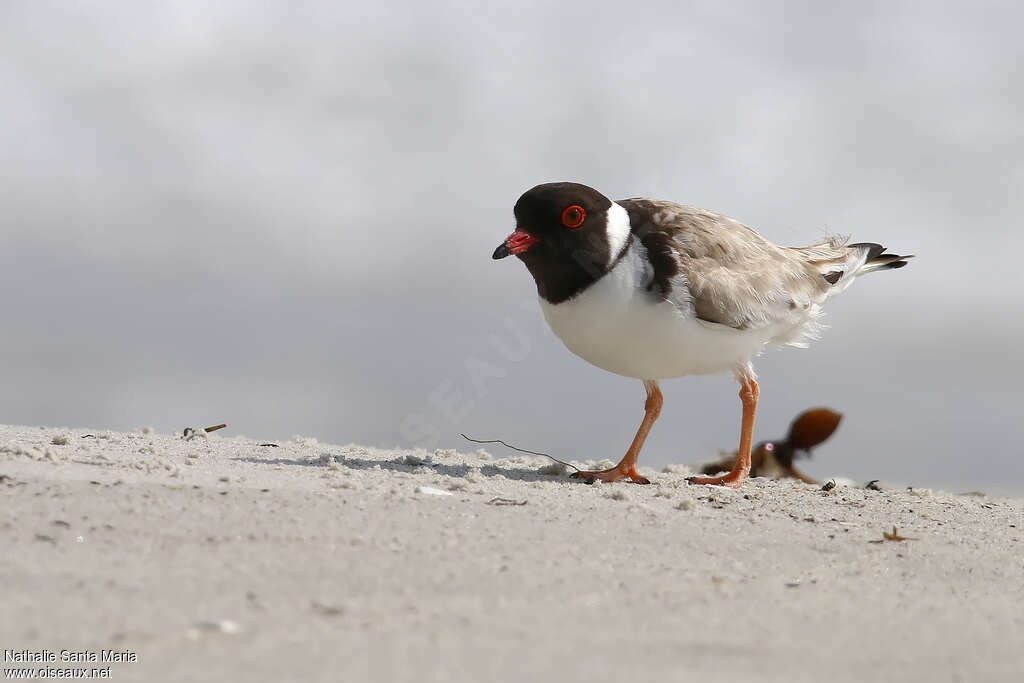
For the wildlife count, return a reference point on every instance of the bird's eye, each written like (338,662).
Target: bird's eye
(573,216)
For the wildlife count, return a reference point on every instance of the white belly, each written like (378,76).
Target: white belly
(616,325)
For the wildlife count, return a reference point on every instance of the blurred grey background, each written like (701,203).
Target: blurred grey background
(280,215)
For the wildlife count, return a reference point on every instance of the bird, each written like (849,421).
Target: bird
(775,458)
(652,290)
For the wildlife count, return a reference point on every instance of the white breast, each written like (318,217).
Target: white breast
(617,325)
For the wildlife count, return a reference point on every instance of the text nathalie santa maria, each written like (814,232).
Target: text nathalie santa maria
(50,656)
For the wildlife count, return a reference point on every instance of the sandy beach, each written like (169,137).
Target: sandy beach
(223,558)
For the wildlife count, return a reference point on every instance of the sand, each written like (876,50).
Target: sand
(218,558)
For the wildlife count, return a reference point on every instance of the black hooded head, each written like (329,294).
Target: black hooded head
(568,235)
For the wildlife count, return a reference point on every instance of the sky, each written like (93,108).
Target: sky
(280,215)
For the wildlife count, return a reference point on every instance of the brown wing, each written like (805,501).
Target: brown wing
(735,277)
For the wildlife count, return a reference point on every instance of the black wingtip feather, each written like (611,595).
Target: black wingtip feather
(889,261)
(879,259)
(874,249)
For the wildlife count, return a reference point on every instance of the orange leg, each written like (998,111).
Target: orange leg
(749,392)
(627,467)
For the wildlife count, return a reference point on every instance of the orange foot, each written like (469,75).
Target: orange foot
(733,481)
(613,474)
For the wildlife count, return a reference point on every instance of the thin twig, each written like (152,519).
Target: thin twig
(521,450)
(894,536)
(214,428)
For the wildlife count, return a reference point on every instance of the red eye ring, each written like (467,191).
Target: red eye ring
(573,216)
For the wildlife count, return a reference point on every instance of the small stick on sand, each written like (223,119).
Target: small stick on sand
(190,433)
(894,536)
(521,450)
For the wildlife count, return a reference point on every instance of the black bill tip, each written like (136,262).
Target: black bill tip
(501,252)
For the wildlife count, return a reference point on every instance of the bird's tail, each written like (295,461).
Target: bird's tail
(840,264)
(876,259)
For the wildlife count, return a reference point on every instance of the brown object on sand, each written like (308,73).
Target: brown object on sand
(775,458)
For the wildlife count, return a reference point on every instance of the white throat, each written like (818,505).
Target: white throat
(618,231)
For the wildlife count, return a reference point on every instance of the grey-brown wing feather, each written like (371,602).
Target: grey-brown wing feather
(734,276)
